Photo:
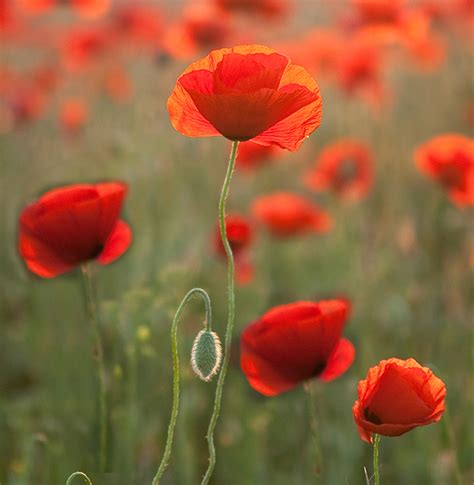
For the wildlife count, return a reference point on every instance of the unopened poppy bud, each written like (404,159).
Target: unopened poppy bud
(206,355)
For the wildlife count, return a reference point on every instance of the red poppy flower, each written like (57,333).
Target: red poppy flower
(117,84)
(293,343)
(84,46)
(449,159)
(397,396)
(270,9)
(73,115)
(71,225)
(239,232)
(90,9)
(379,11)
(246,93)
(140,23)
(344,167)
(200,29)
(251,155)
(36,7)
(287,214)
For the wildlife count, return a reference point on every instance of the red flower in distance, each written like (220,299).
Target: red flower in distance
(449,159)
(71,225)
(73,115)
(246,93)
(91,9)
(293,343)
(270,9)
(397,396)
(344,167)
(251,155)
(287,214)
(239,232)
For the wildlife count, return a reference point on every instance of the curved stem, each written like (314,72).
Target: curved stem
(174,348)
(376,459)
(93,313)
(78,474)
(230,318)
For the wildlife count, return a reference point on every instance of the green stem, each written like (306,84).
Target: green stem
(230,318)
(93,313)
(174,349)
(78,474)
(314,426)
(376,459)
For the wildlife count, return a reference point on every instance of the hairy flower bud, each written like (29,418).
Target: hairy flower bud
(206,355)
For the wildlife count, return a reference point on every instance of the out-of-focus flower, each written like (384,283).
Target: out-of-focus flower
(201,28)
(449,159)
(397,396)
(117,84)
(251,155)
(35,7)
(344,167)
(240,235)
(286,214)
(296,342)
(271,9)
(91,9)
(71,225)
(73,115)
(246,93)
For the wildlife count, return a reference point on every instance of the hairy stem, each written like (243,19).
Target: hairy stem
(174,349)
(230,318)
(78,474)
(376,459)
(93,314)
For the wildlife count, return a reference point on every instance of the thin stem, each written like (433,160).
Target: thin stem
(376,459)
(78,474)
(174,349)
(314,426)
(93,314)
(230,318)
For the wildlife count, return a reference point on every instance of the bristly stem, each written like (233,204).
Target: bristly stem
(78,474)
(174,349)
(230,318)
(93,313)
(376,459)
(314,427)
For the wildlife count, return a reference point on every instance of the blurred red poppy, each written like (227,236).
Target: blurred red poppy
(240,234)
(84,46)
(117,84)
(345,167)
(73,115)
(91,9)
(246,93)
(71,225)
(288,214)
(293,343)
(139,23)
(36,7)
(379,11)
(251,155)
(270,9)
(201,28)
(397,396)
(449,159)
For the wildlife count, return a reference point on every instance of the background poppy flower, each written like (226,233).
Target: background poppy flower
(293,343)
(397,396)
(345,167)
(71,225)
(246,93)
(251,155)
(91,9)
(73,115)
(270,9)
(449,159)
(288,214)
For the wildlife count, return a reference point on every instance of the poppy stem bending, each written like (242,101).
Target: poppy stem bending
(92,310)
(174,349)
(376,459)
(230,318)
(78,474)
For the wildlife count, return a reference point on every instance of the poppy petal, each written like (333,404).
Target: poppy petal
(117,243)
(341,359)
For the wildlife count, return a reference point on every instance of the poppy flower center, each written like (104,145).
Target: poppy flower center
(319,369)
(346,173)
(451,176)
(371,416)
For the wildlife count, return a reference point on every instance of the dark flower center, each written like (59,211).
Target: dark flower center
(371,416)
